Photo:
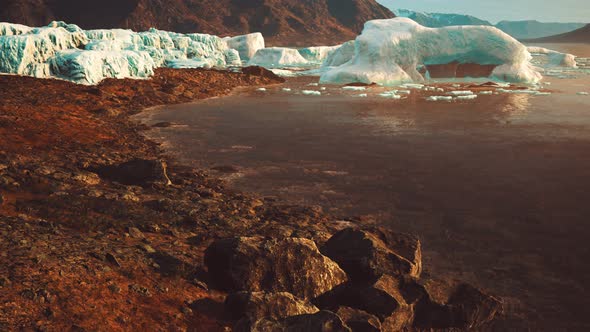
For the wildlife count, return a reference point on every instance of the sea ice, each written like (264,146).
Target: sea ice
(466,97)
(311,93)
(555,58)
(261,89)
(388,52)
(583,93)
(460,92)
(439,98)
(354,88)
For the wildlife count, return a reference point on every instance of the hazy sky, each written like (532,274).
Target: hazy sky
(497,10)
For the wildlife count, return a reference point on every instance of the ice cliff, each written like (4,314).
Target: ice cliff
(390,52)
(68,52)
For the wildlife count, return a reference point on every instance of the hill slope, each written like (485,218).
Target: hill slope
(287,22)
(535,29)
(438,20)
(581,35)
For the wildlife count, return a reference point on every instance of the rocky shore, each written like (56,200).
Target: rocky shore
(99,231)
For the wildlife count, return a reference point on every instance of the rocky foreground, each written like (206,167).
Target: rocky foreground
(98,231)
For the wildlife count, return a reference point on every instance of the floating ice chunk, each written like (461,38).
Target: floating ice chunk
(287,89)
(404,92)
(583,93)
(261,89)
(354,88)
(440,90)
(246,45)
(485,92)
(323,88)
(284,72)
(388,52)
(467,97)
(412,86)
(390,94)
(543,93)
(274,57)
(460,92)
(313,84)
(362,95)
(311,93)
(439,98)
(317,54)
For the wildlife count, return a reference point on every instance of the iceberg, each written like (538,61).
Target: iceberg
(246,45)
(340,56)
(317,54)
(389,52)
(280,57)
(554,58)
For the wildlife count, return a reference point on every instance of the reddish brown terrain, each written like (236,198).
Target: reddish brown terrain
(282,22)
(581,35)
(99,230)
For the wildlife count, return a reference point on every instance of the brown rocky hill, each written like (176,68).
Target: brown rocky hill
(581,35)
(283,22)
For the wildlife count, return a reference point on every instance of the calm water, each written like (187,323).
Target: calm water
(497,188)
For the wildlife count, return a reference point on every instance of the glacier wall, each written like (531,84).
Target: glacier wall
(388,52)
(65,51)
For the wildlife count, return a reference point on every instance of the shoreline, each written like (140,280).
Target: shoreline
(93,234)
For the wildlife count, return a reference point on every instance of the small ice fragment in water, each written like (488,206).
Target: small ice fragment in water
(485,93)
(467,97)
(311,93)
(412,86)
(437,98)
(583,93)
(404,92)
(287,89)
(313,84)
(261,89)
(354,88)
(461,93)
(390,94)
(323,88)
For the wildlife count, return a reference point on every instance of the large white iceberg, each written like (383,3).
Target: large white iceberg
(389,52)
(278,57)
(246,45)
(340,56)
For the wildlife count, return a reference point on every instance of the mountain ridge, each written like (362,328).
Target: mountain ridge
(287,22)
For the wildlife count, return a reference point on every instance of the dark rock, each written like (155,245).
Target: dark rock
(365,256)
(262,72)
(358,320)
(467,308)
(323,321)
(291,265)
(382,298)
(141,290)
(135,233)
(170,265)
(138,172)
(257,305)
(112,259)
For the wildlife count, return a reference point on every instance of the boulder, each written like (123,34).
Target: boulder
(366,256)
(293,265)
(323,321)
(256,305)
(467,308)
(136,172)
(383,298)
(358,320)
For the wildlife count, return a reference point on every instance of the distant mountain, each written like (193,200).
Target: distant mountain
(437,20)
(287,22)
(581,35)
(536,29)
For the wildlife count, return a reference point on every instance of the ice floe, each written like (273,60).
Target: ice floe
(311,93)
(553,58)
(439,98)
(354,88)
(388,52)
(461,92)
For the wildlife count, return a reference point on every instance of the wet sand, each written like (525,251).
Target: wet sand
(496,187)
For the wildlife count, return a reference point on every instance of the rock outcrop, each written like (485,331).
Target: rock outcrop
(293,265)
